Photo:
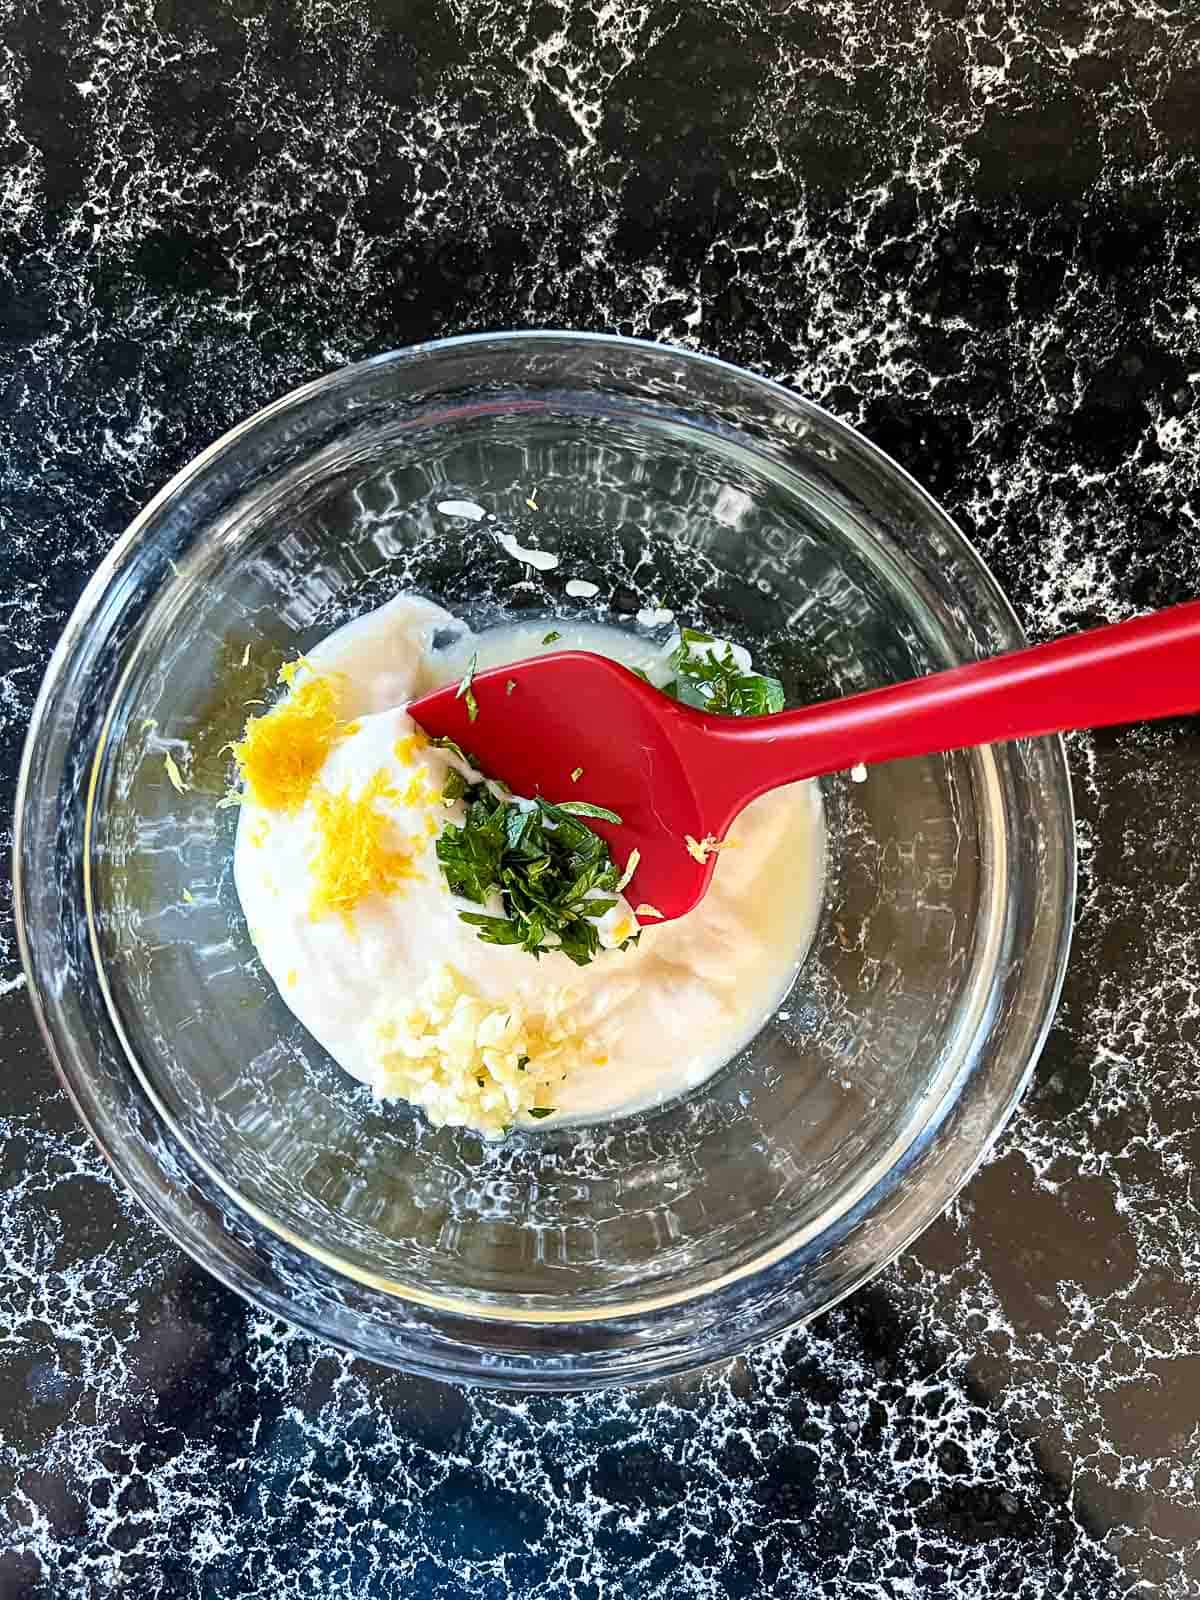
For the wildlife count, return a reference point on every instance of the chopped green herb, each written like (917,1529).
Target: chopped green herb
(466,692)
(582,808)
(713,681)
(552,636)
(442,742)
(522,1063)
(552,875)
(577,774)
(454,787)
(541,1111)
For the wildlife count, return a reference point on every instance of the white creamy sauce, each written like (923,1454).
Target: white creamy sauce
(659,1017)
(462,508)
(542,560)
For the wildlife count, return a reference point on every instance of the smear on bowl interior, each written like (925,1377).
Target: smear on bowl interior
(399,899)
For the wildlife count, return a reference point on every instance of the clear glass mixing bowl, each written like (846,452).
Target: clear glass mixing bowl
(578,1256)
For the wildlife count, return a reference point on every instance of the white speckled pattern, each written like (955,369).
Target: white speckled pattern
(971,231)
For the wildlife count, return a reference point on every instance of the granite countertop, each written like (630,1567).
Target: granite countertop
(972,231)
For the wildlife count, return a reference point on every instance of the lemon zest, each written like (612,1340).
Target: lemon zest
(174,773)
(416,791)
(289,670)
(282,752)
(406,747)
(353,858)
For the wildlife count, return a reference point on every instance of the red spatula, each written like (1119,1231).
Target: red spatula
(673,773)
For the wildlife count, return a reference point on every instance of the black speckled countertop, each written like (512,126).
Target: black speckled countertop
(972,231)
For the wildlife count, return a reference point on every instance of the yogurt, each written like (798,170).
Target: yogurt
(658,1017)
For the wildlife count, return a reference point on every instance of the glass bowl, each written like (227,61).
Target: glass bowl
(567,1257)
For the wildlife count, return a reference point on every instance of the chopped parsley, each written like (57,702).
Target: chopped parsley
(465,691)
(541,1111)
(584,808)
(554,876)
(445,742)
(552,636)
(713,681)
(454,787)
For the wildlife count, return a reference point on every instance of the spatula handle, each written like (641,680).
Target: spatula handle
(1126,672)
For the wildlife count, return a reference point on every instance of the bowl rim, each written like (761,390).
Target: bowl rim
(1045,999)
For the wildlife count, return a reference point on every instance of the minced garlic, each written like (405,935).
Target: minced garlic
(354,857)
(701,849)
(469,1062)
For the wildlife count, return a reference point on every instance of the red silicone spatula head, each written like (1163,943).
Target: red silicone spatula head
(670,771)
(573,710)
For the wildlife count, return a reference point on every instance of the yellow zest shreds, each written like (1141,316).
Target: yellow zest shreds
(174,773)
(281,753)
(416,790)
(291,978)
(470,1062)
(189,899)
(258,833)
(701,849)
(289,669)
(623,929)
(648,911)
(353,857)
(406,747)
